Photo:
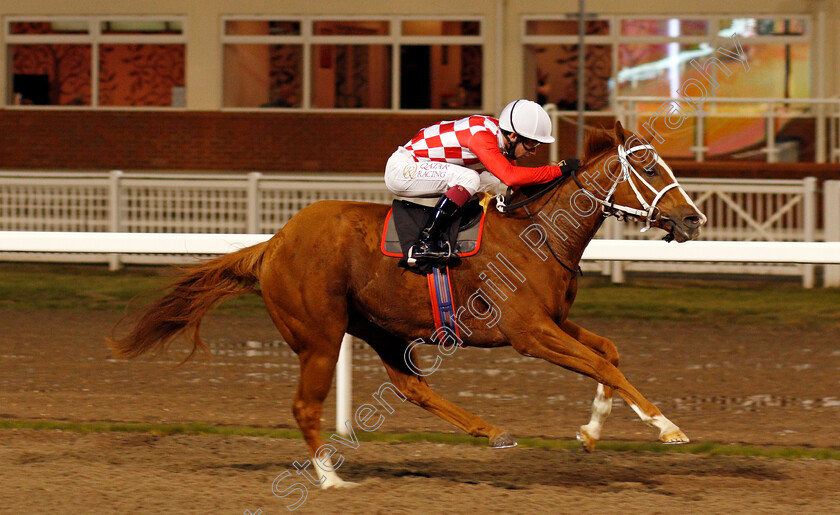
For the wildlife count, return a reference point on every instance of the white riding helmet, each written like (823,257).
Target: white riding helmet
(528,119)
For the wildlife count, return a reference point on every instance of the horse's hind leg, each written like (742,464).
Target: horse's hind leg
(317,347)
(589,434)
(316,375)
(415,388)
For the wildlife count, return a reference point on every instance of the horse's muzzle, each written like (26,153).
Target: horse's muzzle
(683,228)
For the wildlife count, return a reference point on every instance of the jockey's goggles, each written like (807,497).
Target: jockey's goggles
(529,144)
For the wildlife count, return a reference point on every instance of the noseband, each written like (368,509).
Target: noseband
(609,206)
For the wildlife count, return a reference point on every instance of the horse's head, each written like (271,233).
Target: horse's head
(632,179)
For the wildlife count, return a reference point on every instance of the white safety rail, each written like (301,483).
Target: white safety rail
(739,210)
(620,250)
(255,203)
(35,241)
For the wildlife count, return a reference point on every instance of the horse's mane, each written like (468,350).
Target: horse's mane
(596,142)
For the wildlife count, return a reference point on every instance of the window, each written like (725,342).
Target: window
(551,62)
(351,64)
(96,62)
(336,63)
(265,67)
(651,56)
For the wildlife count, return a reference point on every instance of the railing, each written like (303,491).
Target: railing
(825,112)
(831,213)
(118,202)
(738,210)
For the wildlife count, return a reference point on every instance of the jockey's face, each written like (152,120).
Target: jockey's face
(526,147)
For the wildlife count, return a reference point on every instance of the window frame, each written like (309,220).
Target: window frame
(615,39)
(94,38)
(307,39)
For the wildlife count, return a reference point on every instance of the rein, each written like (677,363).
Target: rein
(503,207)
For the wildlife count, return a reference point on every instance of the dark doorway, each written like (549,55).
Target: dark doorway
(415,78)
(33,89)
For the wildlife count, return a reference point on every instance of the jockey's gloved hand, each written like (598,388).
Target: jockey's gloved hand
(567,166)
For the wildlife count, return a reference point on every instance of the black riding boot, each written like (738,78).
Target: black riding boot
(428,247)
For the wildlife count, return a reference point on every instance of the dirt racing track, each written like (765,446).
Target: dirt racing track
(765,386)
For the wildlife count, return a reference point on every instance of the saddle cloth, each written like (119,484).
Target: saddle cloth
(406,219)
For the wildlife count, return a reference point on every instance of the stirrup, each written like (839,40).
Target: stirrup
(412,261)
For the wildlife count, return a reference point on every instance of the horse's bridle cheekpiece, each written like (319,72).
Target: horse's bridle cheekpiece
(648,210)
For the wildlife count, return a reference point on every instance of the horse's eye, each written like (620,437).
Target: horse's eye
(651,172)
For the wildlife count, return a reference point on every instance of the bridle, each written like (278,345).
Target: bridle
(610,208)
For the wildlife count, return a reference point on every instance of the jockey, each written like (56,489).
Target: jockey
(458,158)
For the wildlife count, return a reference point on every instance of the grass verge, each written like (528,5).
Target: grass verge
(702,448)
(32,286)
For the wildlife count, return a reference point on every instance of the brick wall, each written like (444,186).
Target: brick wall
(279,142)
(267,142)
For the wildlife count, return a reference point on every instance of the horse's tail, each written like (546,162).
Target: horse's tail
(192,296)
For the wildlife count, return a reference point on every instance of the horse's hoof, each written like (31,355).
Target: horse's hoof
(503,441)
(675,437)
(338,484)
(586,440)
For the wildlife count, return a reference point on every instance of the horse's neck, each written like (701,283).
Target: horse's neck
(570,227)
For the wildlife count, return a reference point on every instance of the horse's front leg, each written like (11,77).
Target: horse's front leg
(589,434)
(547,341)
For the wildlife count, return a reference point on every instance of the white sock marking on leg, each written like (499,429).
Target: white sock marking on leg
(332,477)
(660,422)
(601,408)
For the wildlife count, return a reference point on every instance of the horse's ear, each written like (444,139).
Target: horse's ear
(619,132)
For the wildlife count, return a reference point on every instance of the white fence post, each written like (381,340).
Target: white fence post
(344,385)
(831,224)
(253,216)
(617,267)
(114,213)
(699,139)
(553,148)
(820,121)
(809,211)
(770,133)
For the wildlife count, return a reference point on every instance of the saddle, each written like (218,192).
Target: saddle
(402,228)
(406,219)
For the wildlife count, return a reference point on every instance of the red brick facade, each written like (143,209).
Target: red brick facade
(268,142)
(264,141)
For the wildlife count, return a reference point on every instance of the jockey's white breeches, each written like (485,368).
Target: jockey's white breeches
(408,178)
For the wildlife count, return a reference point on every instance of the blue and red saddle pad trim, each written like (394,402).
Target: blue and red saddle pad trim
(443,305)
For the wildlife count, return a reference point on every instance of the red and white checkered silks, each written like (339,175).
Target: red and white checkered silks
(448,141)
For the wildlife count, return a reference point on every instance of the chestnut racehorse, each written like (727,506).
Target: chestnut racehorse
(323,275)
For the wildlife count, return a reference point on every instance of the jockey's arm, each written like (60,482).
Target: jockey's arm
(483,144)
